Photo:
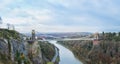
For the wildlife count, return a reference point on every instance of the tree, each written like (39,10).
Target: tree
(119,33)
(8,25)
(114,34)
(0,20)
(103,33)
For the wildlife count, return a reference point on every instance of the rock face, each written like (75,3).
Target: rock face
(34,52)
(3,51)
(9,49)
(23,52)
(3,46)
(31,53)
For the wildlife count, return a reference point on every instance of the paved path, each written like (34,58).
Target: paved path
(56,55)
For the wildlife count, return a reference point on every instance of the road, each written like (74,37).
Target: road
(69,39)
(56,55)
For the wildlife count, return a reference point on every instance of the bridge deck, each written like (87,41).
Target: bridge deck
(70,39)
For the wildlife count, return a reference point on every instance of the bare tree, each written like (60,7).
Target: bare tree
(8,25)
(13,27)
(0,20)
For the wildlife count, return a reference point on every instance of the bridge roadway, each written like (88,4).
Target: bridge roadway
(69,39)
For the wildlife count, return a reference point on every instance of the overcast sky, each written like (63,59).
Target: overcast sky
(61,15)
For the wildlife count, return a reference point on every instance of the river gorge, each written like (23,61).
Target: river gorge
(66,56)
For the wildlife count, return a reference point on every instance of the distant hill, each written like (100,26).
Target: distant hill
(65,35)
(60,35)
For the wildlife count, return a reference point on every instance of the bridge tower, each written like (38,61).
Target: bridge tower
(33,34)
(96,39)
(96,36)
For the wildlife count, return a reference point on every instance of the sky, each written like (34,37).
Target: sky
(61,15)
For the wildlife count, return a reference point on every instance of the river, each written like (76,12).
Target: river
(66,56)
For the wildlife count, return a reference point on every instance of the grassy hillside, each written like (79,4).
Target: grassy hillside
(5,33)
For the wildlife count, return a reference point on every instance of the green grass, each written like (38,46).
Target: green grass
(50,63)
(7,34)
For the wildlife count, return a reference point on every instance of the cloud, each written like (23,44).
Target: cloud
(4,3)
(87,20)
(61,15)
(23,16)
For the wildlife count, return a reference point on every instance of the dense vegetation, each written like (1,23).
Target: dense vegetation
(79,48)
(48,50)
(106,52)
(111,36)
